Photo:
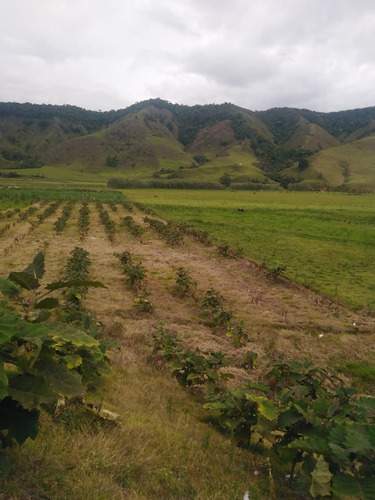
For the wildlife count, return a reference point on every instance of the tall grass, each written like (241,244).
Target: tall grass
(160,451)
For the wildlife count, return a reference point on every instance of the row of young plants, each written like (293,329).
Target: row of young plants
(178,229)
(136,274)
(203,237)
(190,368)
(131,226)
(49,210)
(298,414)
(109,225)
(112,205)
(76,269)
(25,214)
(62,221)
(8,214)
(128,205)
(143,208)
(43,356)
(5,228)
(83,220)
(22,215)
(169,231)
(197,234)
(173,232)
(212,305)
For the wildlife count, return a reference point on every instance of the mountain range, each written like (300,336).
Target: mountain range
(159,143)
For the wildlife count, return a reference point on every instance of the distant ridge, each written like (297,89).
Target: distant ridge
(219,143)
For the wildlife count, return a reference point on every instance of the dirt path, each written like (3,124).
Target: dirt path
(279,316)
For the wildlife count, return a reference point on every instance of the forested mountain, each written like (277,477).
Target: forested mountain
(162,142)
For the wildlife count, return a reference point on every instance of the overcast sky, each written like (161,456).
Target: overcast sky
(258,54)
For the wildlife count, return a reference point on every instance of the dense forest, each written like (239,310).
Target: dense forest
(282,122)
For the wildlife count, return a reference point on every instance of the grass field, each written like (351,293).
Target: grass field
(326,240)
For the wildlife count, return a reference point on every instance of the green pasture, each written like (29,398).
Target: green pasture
(237,163)
(357,159)
(50,174)
(326,240)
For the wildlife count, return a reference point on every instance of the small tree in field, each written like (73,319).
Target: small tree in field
(111,161)
(225,180)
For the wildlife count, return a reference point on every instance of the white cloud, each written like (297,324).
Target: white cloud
(257,54)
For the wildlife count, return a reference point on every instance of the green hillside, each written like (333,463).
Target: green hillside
(352,164)
(157,140)
(311,136)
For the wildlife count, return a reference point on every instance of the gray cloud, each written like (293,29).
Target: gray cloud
(259,54)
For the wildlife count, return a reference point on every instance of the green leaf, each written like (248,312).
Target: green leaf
(176,365)
(215,406)
(233,423)
(71,294)
(49,303)
(337,435)
(300,390)
(74,283)
(357,438)
(212,374)
(259,386)
(33,331)
(349,486)
(73,361)
(193,376)
(8,327)
(341,454)
(366,402)
(8,288)
(321,407)
(36,268)
(266,407)
(3,382)
(308,417)
(31,390)
(76,337)
(321,479)
(39,316)
(24,280)
(94,352)
(313,444)
(64,381)
(289,418)
(20,422)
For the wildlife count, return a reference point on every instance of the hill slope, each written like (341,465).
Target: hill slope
(158,139)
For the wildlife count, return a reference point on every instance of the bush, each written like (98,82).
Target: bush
(116,183)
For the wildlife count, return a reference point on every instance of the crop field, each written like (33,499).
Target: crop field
(209,348)
(325,241)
